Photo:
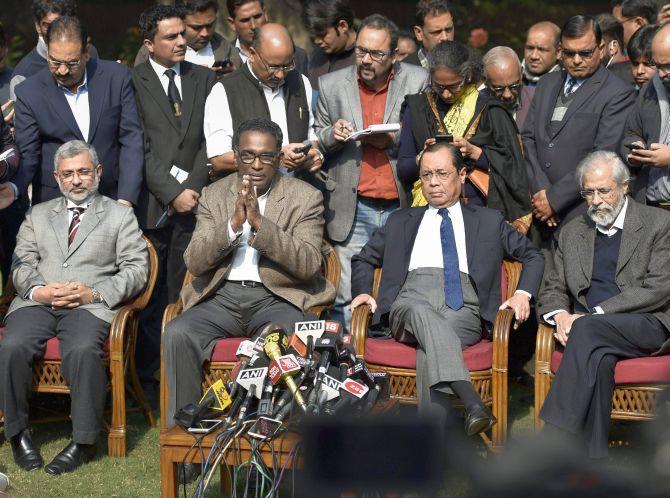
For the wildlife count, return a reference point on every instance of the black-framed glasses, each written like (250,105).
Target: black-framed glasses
(499,90)
(583,54)
(375,55)
(70,64)
(84,174)
(441,174)
(591,192)
(271,69)
(439,89)
(248,157)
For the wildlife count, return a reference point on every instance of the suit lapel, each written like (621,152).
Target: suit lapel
(96,96)
(154,88)
(189,86)
(59,224)
(587,234)
(58,103)
(275,202)
(392,96)
(88,223)
(471,226)
(630,238)
(354,98)
(584,94)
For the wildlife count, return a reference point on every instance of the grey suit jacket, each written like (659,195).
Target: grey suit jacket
(108,253)
(288,240)
(339,99)
(643,268)
(594,121)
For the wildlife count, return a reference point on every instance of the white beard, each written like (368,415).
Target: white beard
(606,214)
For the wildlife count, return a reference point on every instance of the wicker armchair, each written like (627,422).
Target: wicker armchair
(486,360)
(638,380)
(223,356)
(118,355)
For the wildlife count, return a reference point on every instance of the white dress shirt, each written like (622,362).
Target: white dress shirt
(219,122)
(165,81)
(245,257)
(616,226)
(427,250)
(243,56)
(202,57)
(78,103)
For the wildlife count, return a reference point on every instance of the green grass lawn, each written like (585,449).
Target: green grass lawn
(138,475)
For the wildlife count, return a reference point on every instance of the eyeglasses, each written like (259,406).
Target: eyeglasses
(248,157)
(70,65)
(274,69)
(439,89)
(661,67)
(583,54)
(602,192)
(441,174)
(84,174)
(375,55)
(498,90)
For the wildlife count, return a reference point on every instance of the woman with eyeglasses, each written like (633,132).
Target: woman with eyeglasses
(480,126)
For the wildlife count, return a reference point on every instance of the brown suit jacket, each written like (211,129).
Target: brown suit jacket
(289,242)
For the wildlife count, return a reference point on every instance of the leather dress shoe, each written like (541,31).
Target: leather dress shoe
(25,454)
(187,472)
(479,419)
(70,458)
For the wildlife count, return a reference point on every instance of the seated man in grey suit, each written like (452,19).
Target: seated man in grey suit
(77,259)
(255,255)
(441,281)
(608,295)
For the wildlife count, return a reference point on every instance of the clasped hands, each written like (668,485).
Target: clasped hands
(542,210)
(564,321)
(63,295)
(246,207)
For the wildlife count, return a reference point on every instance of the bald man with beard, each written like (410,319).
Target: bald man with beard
(267,86)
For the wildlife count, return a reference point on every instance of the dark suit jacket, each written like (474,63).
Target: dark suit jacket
(526,99)
(594,121)
(488,239)
(643,124)
(166,142)
(44,121)
(641,273)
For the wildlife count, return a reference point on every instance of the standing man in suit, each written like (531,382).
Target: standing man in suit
(78,98)
(171,96)
(366,188)
(204,46)
(433,23)
(608,295)
(575,111)
(441,281)
(255,256)
(70,280)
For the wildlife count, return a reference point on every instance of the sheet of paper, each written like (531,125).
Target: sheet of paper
(179,174)
(376,128)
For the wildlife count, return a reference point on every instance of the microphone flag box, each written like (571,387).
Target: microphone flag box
(284,366)
(220,393)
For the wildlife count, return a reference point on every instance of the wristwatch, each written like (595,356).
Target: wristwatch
(97,298)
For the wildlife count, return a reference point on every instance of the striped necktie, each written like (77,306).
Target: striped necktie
(571,86)
(74,224)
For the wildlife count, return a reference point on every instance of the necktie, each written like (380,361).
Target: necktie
(571,86)
(173,93)
(74,224)
(453,293)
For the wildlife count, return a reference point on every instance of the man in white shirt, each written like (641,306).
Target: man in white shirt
(267,85)
(608,295)
(441,272)
(255,255)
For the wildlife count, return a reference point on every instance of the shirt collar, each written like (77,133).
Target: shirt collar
(454,210)
(206,50)
(281,84)
(362,84)
(41,47)
(85,203)
(618,222)
(83,86)
(160,69)
(239,47)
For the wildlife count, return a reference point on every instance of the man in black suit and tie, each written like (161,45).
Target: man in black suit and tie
(608,295)
(575,111)
(78,98)
(171,96)
(441,281)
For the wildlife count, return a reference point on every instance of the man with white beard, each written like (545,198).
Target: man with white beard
(608,296)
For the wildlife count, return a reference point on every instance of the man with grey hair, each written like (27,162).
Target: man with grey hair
(608,295)
(78,258)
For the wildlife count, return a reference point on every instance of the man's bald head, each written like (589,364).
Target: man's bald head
(660,53)
(502,70)
(542,47)
(272,52)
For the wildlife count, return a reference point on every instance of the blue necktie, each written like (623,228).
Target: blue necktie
(453,293)
(572,83)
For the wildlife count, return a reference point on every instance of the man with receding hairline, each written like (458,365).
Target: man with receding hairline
(502,70)
(541,52)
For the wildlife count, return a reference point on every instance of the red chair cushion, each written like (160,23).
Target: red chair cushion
(646,370)
(390,353)
(52,352)
(225,349)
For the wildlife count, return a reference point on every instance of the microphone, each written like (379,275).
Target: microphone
(265,404)
(287,396)
(352,391)
(330,389)
(244,353)
(215,399)
(253,375)
(273,348)
(381,389)
(251,394)
(326,345)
